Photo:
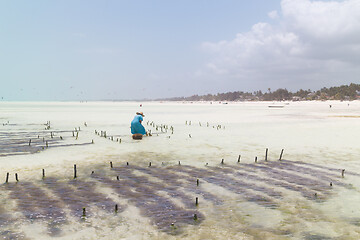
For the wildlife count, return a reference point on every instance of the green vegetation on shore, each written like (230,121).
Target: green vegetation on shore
(343,92)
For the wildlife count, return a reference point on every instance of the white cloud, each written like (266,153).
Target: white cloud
(273,15)
(314,43)
(323,20)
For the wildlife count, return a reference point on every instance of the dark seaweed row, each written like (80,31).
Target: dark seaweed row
(322,175)
(172,181)
(176,181)
(33,202)
(18,143)
(77,195)
(142,193)
(232,185)
(304,191)
(337,170)
(313,184)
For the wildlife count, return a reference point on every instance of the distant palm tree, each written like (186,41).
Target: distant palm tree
(269,89)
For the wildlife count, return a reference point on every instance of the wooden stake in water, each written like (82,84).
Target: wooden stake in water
(343,172)
(222,161)
(117,178)
(84,212)
(239,158)
(43,173)
(7,178)
(282,151)
(30,142)
(47,145)
(179,163)
(127,163)
(330,184)
(75,171)
(266,153)
(149,164)
(16,177)
(196,201)
(195,217)
(197,182)
(256,159)
(111,165)
(116,208)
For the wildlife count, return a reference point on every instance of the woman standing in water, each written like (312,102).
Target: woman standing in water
(137,129)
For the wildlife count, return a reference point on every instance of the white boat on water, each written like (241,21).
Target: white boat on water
(276,106)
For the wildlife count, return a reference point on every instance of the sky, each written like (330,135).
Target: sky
(126,50)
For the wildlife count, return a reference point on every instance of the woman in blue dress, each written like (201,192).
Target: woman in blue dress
(136,126)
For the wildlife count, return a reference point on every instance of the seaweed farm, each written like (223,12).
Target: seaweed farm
(207,171)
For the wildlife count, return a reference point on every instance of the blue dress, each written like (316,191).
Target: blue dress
(136,126)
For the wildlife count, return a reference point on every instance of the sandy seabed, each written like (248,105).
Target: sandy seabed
(153,182)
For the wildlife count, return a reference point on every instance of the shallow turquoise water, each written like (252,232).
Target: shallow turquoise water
(246,200)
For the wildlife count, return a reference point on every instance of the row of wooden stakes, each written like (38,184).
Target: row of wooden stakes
(179,163)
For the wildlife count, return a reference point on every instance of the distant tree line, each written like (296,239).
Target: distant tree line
(343,92)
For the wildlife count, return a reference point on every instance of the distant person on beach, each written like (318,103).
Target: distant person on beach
(136,126)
